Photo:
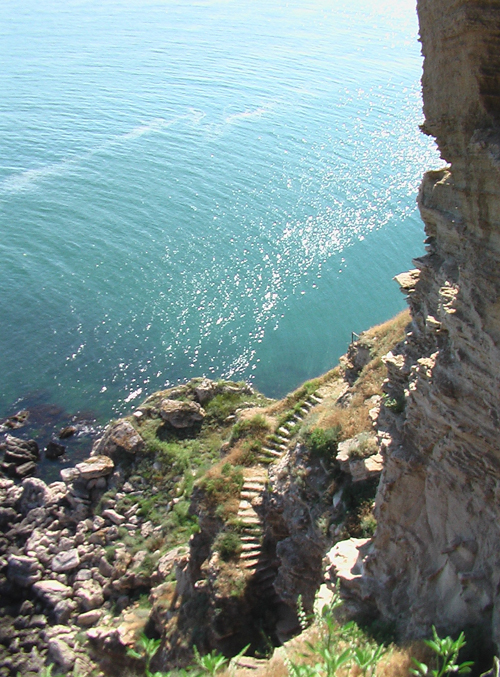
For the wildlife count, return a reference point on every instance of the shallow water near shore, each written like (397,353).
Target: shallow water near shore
(200,188)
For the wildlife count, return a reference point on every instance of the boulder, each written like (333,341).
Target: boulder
(96,466)
(181,414)
(69,474)
(61,654)
(51,592)
(119,439)
(90,595)
(36,494)
(54,450)
(19,451)
(64,609)
(66,432)
(23,570)
(113,516)
(205,390)
(89,618)
(366,468)
(24,469)
(65,561)
(346,562)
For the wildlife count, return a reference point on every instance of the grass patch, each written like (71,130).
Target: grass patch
(228,545)
(256,427)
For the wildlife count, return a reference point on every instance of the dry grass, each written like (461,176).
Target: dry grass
(354,418)
(386,335)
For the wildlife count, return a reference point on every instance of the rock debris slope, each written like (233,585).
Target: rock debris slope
(436,554)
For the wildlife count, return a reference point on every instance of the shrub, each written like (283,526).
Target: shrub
(395,404)
(228,545)
(322,442)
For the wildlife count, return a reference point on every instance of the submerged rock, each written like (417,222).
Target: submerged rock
(54,450)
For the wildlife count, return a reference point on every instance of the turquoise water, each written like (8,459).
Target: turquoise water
(214,187)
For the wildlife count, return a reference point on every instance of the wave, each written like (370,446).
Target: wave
(256,113)
(30,178)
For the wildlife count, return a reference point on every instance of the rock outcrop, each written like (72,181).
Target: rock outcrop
(435,557)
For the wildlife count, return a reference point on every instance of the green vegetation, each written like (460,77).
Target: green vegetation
(256,427)
(396,405)
(322,442)
(222,484)
(446,650)
(364,445)
(347,649)
(228,545)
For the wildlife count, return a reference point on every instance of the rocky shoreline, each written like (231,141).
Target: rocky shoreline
(126,543)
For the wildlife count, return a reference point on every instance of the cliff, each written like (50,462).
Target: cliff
(435,558)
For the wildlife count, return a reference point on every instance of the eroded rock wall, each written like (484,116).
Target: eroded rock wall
(436,554)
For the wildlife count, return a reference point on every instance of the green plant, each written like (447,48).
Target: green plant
(364,445)
(210,663)
(301,614)
(368,524)
(397,405)
(446,650)
(367,657)
(148,649)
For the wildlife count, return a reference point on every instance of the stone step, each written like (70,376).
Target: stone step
(250,539)
(276,445)
(281,440)
(283,431)
(249,497)
(251,485)
(298,418)
(248,547)
(316,399)
(250,564)
(253,554)
(249,518)
(271,452)
(245,505)
(265,575)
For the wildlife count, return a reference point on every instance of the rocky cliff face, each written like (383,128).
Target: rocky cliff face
(436,554)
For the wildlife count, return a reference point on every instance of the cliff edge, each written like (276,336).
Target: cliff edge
(435,558)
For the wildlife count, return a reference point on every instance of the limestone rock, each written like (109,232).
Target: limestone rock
(120,440)
(65,561)
(205,390)
(51,592)
(89,594)
(61,654)
(89,618)
(35,494)
(435,552)
(23,570)
(96,466)
(113,516)
(181,414)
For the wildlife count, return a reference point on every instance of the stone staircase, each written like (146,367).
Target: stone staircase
(252,558)
(277,443)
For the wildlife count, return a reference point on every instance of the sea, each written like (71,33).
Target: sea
(210,187)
